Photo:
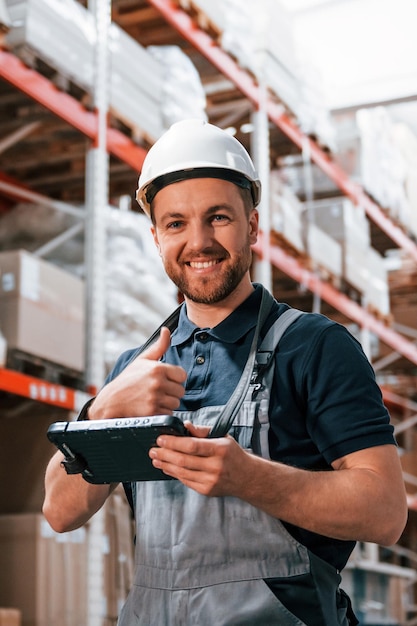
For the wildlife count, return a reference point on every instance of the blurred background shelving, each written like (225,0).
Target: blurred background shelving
(336,148)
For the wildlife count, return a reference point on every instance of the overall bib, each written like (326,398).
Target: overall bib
(204,561)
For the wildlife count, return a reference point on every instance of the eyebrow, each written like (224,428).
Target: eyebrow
(211,210)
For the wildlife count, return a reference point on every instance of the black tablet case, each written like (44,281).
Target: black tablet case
(114,450)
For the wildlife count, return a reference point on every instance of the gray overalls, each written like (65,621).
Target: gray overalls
(203,561)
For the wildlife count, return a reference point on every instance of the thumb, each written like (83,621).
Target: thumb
(159,347)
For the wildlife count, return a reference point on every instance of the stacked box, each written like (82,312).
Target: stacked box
(347,225)
(45,574)
(10,617)
(342,220)
(119,566)
(25,454)
(286,212)
(324,250)
(42,309)
(377,291)
(42,573)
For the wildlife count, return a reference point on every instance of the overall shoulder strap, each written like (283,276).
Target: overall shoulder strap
(225,419)
(264,359)
(272,338)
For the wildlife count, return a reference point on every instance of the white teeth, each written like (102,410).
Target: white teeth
(199,265)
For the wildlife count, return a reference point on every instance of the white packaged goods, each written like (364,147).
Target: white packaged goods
(375,151)
(325,251)
(182,92)
(286,212)
(260,37)
(62,33)
(139,294)
(406,141)
(377,291)
(341,219)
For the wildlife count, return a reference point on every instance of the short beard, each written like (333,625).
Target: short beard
(208,293)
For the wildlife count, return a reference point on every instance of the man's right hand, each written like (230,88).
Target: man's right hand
(146,387)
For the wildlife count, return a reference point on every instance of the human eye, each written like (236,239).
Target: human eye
(219,218)
(174,225)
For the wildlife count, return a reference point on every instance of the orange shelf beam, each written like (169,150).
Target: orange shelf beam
(64,106)
(291,267)
(42,390)
(185,25)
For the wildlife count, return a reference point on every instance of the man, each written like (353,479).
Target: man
(240,538)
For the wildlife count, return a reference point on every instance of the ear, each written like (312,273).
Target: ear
(253,226)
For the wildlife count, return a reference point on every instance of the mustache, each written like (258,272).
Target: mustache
(216,252)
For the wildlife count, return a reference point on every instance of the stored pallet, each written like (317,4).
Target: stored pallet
(33,365)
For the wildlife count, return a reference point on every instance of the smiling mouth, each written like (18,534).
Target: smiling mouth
(200,265)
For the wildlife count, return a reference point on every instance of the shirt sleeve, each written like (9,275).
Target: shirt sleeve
(344,409)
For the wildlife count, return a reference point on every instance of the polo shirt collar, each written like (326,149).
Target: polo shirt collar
(231,329)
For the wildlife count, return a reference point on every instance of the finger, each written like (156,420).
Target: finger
(196,430)
(157,350)
(190,446)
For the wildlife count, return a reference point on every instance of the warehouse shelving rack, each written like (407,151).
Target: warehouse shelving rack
(65,106)
(40,89)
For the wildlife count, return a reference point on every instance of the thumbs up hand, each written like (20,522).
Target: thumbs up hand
(145,387)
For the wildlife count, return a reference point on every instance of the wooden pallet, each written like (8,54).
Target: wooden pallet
(201,18)
(278,239)
(38,367)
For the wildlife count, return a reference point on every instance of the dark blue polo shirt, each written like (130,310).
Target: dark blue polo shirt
(325,402)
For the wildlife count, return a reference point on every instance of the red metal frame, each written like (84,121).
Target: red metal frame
(184,24)
(42,390)
(293,268)
(67,108)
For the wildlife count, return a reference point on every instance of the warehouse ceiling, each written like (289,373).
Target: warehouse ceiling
(365,50)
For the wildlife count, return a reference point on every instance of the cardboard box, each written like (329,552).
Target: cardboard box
(25,454)
(324,250)
(45,574)
(119,564)
(10,617)
(42,573)
(42,309)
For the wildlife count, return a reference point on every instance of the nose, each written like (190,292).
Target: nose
(199,235)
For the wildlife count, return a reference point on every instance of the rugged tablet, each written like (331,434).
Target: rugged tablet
(113,450)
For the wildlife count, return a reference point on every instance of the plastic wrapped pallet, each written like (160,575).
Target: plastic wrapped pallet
(139,294)
(368,151)
(325,252)
(260,38)
(341,219)
(377,291)
(286,213)
(182,92)
(62,33)
(383,168)
(141,90)
(406,141)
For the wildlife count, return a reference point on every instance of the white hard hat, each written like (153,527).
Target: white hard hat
(195,149)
